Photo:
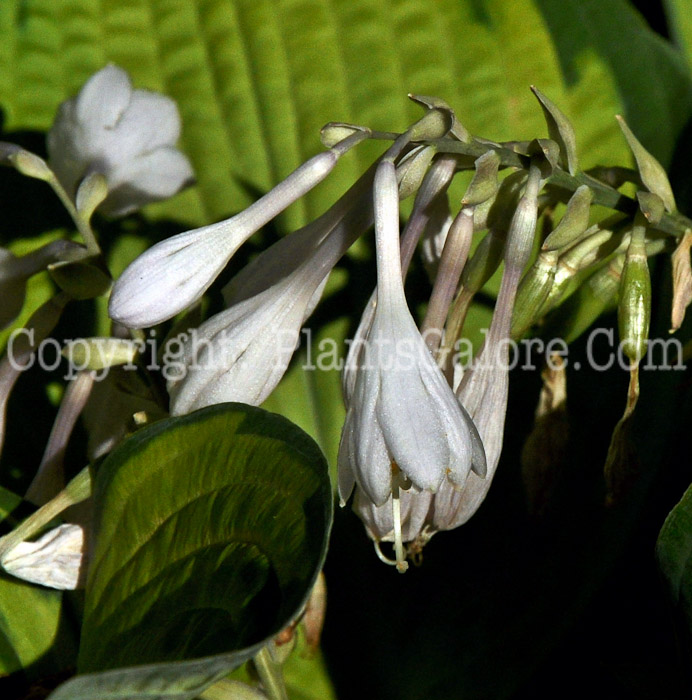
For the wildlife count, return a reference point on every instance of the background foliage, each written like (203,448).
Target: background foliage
(514,603)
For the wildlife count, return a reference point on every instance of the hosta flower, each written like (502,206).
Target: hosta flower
(404,426)
(173,274)
(241,354)
(127,135)
(431,201)
(483,392)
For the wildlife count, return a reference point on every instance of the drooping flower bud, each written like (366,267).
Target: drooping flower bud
(173,274)
(634,307)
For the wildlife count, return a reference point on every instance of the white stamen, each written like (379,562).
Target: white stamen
(381,556)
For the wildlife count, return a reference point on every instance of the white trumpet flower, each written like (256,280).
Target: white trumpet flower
(404,426)
(174,274)
(242,353)
(127,135)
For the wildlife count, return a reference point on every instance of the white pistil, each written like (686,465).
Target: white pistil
(401,563)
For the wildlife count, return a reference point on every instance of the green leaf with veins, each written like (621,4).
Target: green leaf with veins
(210,531)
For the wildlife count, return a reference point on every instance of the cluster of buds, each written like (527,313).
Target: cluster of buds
(423,433)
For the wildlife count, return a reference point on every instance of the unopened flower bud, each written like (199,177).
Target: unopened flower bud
(533,291)
(335,132)
(99,353)
(412,168)
(457,130)
(523,227)
(651,205)
(652,172)
(634,308)
(435,124)
(92,191)
(560,130)
(484,184)
(26,162)
(574,222)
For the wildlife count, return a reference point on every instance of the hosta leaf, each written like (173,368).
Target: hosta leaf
(680,25)
(211,530)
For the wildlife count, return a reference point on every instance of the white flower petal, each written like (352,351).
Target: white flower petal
(54,560)
(104,98)
(151,121)
(379,520)
(373,461)
(147,178)
(401,411)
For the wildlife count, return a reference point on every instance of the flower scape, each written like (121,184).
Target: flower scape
(424,423)
(423,434)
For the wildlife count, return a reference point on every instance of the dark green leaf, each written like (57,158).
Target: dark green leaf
(674,553)
(210,531)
